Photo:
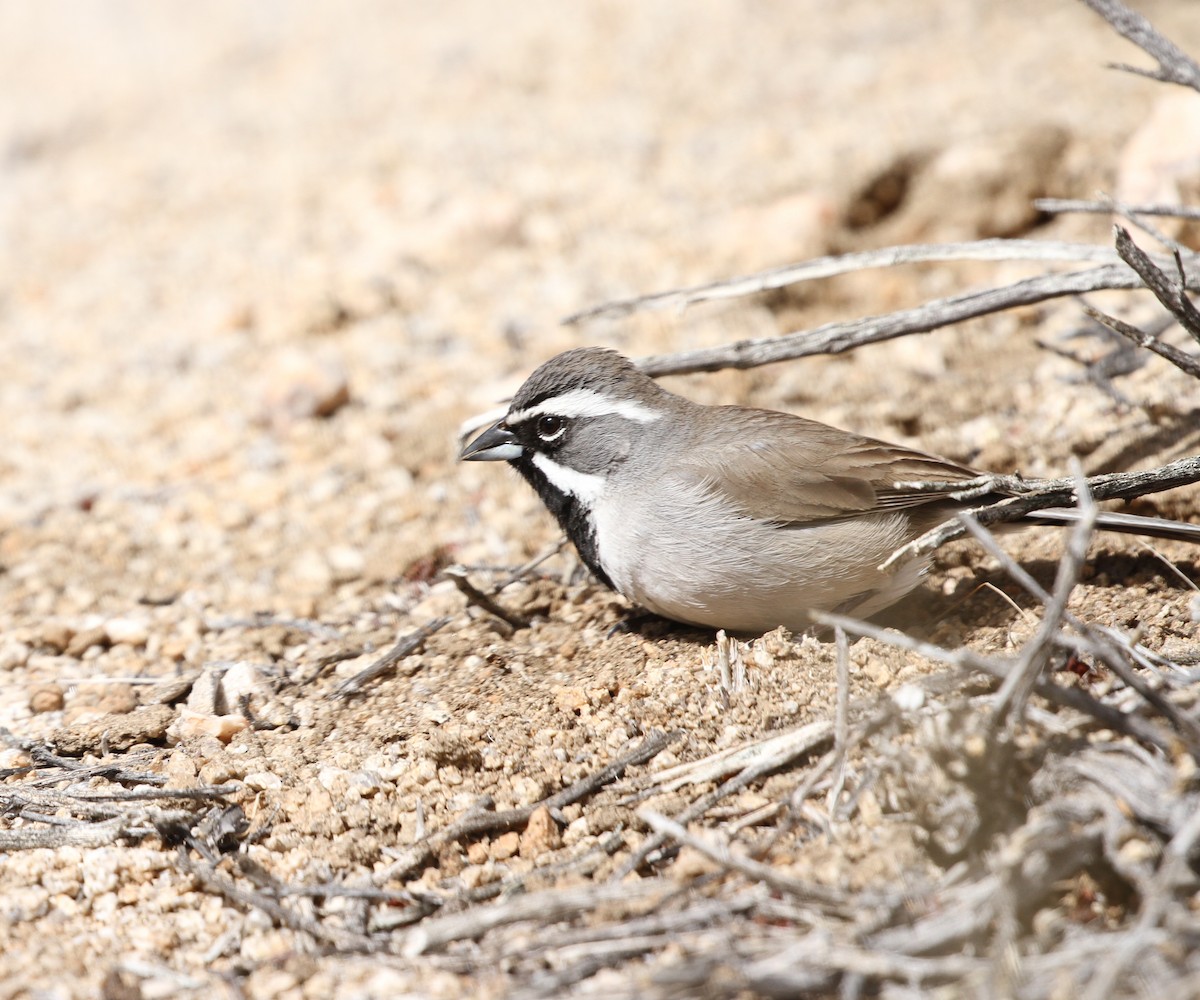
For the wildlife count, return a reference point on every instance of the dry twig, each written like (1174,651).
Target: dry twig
(482,821)
(1174,65)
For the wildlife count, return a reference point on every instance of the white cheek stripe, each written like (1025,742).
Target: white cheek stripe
(585,487)
(586,403)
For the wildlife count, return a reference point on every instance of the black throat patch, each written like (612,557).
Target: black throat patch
(572,517)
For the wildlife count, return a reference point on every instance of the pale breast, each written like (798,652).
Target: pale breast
(688,558)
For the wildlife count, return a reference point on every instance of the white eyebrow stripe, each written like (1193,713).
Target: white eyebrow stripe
(584,486)
(586,403)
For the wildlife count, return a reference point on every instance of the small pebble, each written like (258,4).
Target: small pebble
(47,698)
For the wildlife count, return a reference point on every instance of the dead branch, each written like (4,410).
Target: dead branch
(406,646)
(1106,206)
(1019,684)
(284,916)
(814,735)
(1180,359)
(458,576)
(837,338)
(543,907)
(828,900)
(481,821)
(962,657)
(1035,495)
(1172,294)
(1174,65)
(828,267)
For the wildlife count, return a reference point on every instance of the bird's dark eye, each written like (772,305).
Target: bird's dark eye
(550,427)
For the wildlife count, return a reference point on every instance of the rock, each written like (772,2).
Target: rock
(192,724)
(56,636)
(541,835)
(81,642)
(47,698)
(506,845)
(117,732)
(262,781)
(13,654)
(130,631)
(94,700)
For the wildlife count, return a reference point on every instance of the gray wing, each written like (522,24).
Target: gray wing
(797,470)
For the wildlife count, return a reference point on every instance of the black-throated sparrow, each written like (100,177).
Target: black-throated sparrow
(726,516)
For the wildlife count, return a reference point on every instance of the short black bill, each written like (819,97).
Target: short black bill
(496,444)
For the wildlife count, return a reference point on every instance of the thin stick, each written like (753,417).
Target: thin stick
(1106,206)
(1172,294)
(1052,493)
(1067,697)
(475,596)
(480,821)
(841,723)
(828,267)
(807,892)
(1180,359)
(837,338)
(1174,65)
(548,905)
(406,646)
(748,774)
(1019,684)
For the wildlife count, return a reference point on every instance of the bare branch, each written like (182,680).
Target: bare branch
(837,338)
(550,905)
(1019,684)
(1050,493)
(806,892)
(405,646)
(1067,697)
(828,267)
(479,821)
(1174,65)
(458,575)
(1106,206)
(1180,359)
(1170,293)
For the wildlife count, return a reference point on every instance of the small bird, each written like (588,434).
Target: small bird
(725,516)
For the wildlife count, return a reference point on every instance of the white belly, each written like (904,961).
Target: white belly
(710,569)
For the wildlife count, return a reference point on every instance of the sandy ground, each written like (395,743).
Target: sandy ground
(258,262)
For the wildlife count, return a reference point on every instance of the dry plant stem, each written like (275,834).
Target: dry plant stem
(1039,495)
(1172,294)
(790,972)
(828,267)
(522,571)
(475,596)
(1018,685)
(406,646)
(968,659)
(1180,359)
(214,881)
(482,821)
(1106,206)
(810,893)
(552,904)
(841,719)
(1106,647)
(1174,65)
(837,338)
(83,835)
(735,784)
